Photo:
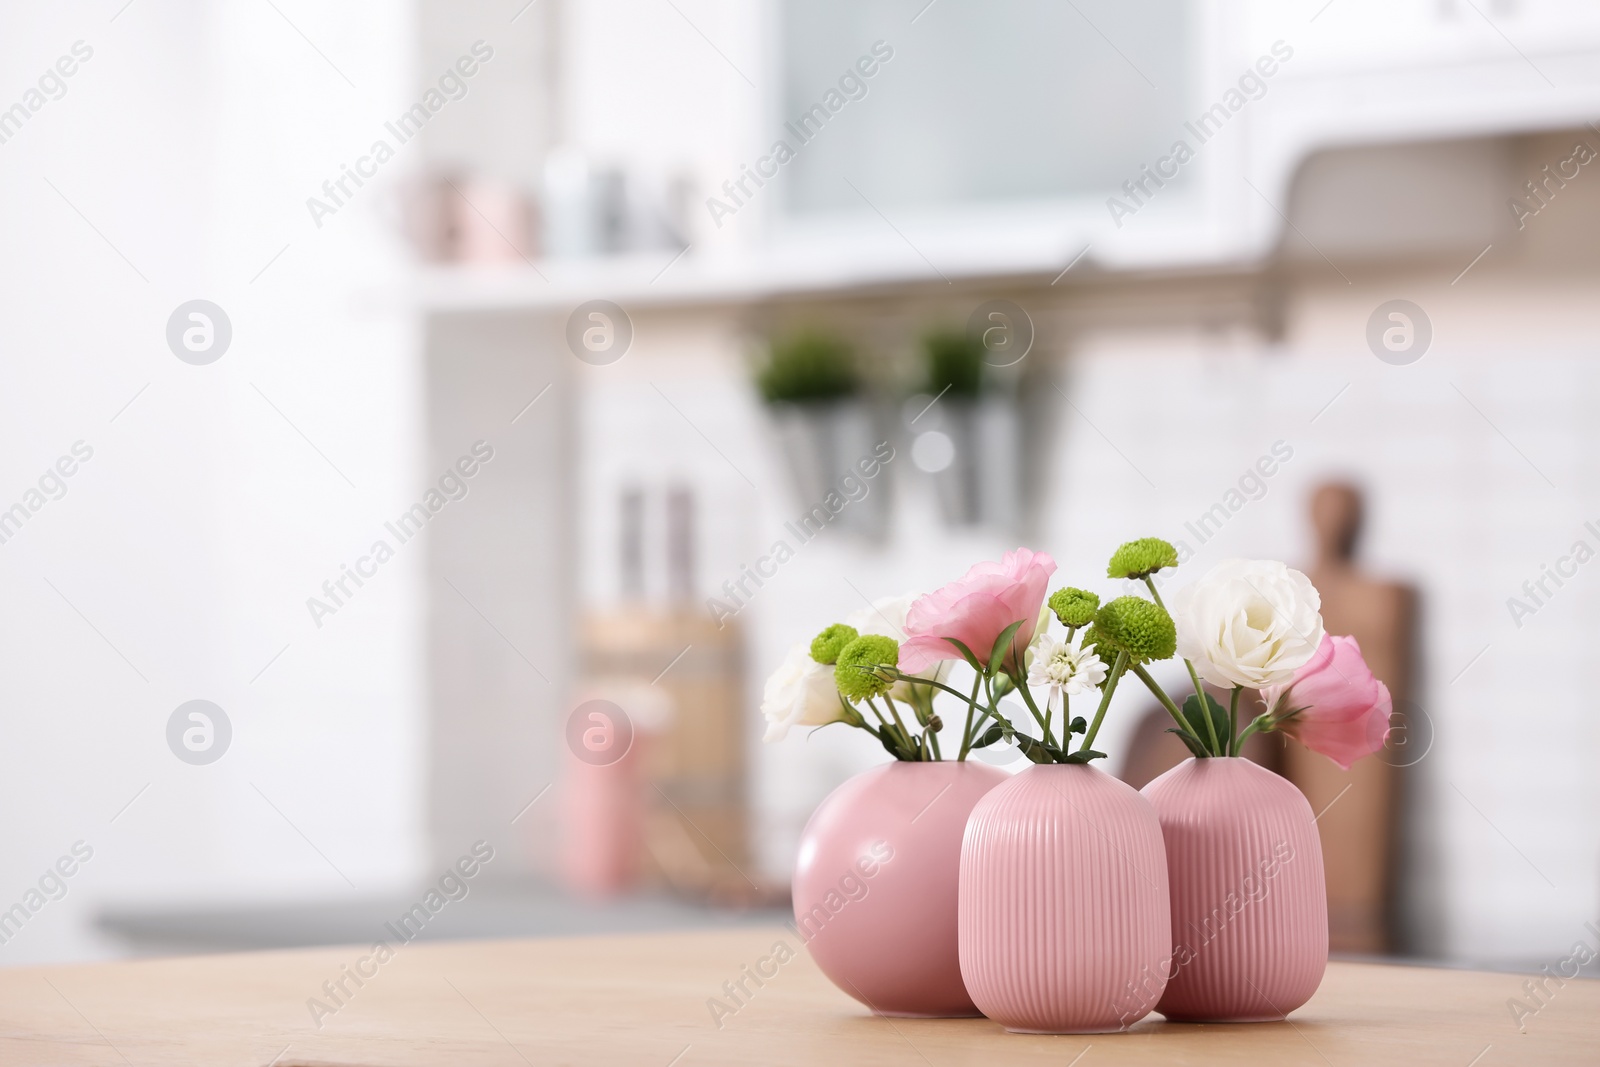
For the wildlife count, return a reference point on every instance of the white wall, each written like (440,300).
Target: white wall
(188,545)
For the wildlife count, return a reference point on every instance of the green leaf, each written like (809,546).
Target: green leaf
(1196,749)
(966,654)
(1197,724)
(1002,645)
(1037,751)
(895,749)
(1079,725)
(1083,756)
(990,736)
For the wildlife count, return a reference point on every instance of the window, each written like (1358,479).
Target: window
(981,102)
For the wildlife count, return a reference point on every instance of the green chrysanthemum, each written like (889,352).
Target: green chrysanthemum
(1141,628)
(1136,559)
(826,646)
(1074,607)
(859,670)
(1093,642)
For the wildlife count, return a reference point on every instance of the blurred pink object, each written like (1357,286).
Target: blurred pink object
(875,885)
(1346,710)
(1249,906)
(1065,921)
(975,610)
(603,801)
(459,218)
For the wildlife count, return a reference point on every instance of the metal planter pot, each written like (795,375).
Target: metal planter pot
(977,478)
(825,446)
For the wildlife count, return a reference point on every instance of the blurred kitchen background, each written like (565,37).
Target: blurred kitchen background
(561,229)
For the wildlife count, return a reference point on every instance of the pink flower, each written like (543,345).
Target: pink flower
(1345,710)
(976,609)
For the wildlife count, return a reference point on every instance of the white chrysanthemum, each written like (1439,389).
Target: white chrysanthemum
(1064,670)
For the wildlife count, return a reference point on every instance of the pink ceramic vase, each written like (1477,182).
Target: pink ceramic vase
(875,885)
(1249,905)
(1064,911)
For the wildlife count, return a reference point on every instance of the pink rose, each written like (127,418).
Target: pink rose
(976,609)
(1345,710)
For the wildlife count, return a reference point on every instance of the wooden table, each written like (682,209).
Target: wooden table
(644,1000)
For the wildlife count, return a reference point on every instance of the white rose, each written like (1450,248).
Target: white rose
(799,693)
(887,618)
(1248,623)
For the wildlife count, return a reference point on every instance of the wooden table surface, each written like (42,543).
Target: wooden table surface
(644,1000)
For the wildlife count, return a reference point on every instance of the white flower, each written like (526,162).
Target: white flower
(1248,623)
(1062,669)
(799,693)
(887,618)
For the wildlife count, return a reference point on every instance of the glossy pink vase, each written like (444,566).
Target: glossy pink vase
(875,885)
(1064,911)
(1249,905)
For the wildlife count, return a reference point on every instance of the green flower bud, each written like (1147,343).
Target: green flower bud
(859,670)
(1141,628)
(1074,607)
(826,646)
(1139,558)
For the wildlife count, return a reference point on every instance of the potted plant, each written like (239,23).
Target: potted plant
(813,388)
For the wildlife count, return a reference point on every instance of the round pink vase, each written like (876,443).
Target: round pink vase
(1065,922)
(875,885)
(1249,905)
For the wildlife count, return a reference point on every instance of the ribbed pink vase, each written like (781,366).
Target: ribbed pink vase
(1065,923)
(1249,905)
(875,885)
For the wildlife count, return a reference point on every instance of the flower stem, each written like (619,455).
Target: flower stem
(972,705)
(1166,701)
(1105,699)
(1194,676)
(1027,698)
(1233,721)
(889,700)
(1260,722)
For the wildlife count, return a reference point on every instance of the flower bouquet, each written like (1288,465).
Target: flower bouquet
(1063,831)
